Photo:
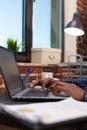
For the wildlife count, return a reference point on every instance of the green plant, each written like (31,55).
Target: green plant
(12,44)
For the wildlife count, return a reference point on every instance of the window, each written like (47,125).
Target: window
(15,24)
(10,21)
(20,20)
(41,24)
(25,55)
(47,24)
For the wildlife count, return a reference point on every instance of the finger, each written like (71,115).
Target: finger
(55,93)
(44,86)
(33,84)
(52,86)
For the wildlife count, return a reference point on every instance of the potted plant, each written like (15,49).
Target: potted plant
(12,44)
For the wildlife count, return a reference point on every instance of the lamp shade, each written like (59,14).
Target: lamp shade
(74,27)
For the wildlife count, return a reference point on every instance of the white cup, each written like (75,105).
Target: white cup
(46,75)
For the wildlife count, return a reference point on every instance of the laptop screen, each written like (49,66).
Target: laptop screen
(10,71)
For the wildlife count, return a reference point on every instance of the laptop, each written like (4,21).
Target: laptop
(16,88)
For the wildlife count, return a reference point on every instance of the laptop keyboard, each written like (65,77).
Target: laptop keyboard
(36,93)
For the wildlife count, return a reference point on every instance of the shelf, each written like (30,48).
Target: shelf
(79,67)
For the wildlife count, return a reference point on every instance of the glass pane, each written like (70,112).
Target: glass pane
(41,23)
(11,21)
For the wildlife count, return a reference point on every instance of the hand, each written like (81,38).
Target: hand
(44,83)
(70,89)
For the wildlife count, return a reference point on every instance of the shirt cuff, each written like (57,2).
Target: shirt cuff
(85,96)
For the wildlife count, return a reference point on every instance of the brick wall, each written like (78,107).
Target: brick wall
(58,72)
(82,41)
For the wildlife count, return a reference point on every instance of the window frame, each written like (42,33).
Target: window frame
(26,55)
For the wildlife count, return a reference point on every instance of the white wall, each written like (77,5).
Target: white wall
(70,41)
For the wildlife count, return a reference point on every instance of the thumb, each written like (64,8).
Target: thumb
(52,86)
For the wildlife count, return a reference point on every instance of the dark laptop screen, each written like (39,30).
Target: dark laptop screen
(10,71)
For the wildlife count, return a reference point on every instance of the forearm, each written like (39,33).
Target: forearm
(81,82)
